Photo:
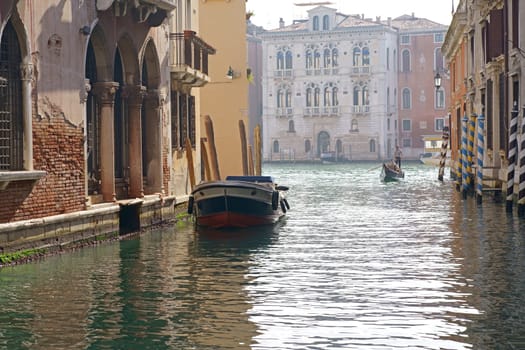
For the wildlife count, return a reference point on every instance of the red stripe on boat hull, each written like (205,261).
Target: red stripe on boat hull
(236,220)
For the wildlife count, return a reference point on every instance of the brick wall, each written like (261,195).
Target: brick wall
(58,150)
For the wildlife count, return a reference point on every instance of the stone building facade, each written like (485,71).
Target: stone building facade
(329,88)
(346,87)
(97,99)
(483,46)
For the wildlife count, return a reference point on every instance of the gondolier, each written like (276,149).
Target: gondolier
(397,156)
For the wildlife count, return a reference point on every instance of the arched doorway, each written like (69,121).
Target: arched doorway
(151,123)
(323,143)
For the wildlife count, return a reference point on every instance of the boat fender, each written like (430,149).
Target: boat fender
(190,205)
(286,203)
(275,200)
(283,206)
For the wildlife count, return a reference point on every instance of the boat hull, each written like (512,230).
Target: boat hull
(389,174)
(237,204)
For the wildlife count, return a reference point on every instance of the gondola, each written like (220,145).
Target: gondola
(391,172)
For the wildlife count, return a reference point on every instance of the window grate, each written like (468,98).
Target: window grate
(11,126)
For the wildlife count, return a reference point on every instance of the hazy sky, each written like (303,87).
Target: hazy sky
(268,12)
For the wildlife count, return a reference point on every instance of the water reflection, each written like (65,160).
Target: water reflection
(357,264)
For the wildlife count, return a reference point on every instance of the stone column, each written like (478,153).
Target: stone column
(26,72)
(105,93)
(154,121)
(134,96)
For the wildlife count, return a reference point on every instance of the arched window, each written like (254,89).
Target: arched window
(316,23)
(11,112)
(317,59)
(327,96)
(357,92)
(280,98)
(284,58)
(309,59)
(339,146)
(317,96)
(407,99)
(335,55)
(405,61)
(326,22)
(291,126)
(438,60)
(275,146)
(335,99)
(288,99)
(327,58)
(309,97)
(356,55)
(307,146)
(366,56)
(366,100)
(372,145)
(289,58)
(280,60)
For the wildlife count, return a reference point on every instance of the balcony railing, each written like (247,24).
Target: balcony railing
(283,73)
(361,109)
(326,111)
(189,58)
(361,70)
(284,112)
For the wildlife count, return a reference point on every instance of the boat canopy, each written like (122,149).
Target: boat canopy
(250,178)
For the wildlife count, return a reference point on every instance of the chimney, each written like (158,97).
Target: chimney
(281,22)
(389,20)
(413,15)
(378,19)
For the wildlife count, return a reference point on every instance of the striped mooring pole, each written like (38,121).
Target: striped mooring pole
(479,172)
(513,148)
(465,183)
(521,186)
(459,166)
(444,146)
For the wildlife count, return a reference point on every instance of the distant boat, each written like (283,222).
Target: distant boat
(391,172)
(433,158)
(432,151)
(237,202)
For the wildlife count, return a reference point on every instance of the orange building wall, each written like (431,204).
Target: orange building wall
(223,24)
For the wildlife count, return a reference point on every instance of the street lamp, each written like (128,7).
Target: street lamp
(437,81)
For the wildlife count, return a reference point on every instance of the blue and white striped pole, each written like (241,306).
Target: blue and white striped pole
(521,185)
(464,173)
(513,146)
(481,146)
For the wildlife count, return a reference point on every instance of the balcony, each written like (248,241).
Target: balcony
(283,73)
(189,59)
(284,112)
(359,70)
(365,109)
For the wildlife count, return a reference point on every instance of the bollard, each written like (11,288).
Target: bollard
(521,184)
(513,145)
(464,169)
(479,172)
(444,146)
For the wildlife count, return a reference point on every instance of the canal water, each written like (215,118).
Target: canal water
(356,264)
